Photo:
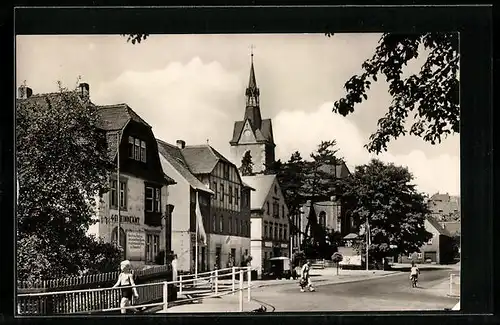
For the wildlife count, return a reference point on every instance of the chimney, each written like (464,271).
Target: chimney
(181,144)
(84,90)
(24,92)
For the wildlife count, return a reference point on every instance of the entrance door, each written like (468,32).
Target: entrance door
(276,251)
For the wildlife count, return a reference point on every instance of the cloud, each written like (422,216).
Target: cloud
(301,131)
(200,100)
(194,101)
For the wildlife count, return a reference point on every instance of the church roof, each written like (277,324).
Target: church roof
(252,83)
(264,134)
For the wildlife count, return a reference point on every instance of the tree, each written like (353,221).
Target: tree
(135,38)
(337,258)
(431,96)
(384,195)
(246,168)
(62,168)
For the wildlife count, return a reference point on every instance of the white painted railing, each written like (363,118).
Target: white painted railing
(106,298)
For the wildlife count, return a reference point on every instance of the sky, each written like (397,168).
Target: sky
(192,87)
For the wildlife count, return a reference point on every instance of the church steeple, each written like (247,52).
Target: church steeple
(252,111)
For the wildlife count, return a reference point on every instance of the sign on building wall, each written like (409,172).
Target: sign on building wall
(123,219)
(136,245)
(268,244)
(284,245)
(351,260)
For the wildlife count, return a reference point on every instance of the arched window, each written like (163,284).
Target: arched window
(322,219)
(123,239)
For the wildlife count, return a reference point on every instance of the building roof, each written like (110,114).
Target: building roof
(453,227)
(174,156)
(202,159)
(116,117)
(434,223)
(264,134)
(262,185)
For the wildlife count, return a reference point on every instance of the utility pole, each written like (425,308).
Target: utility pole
(167,219)
(367,230)
(118,188)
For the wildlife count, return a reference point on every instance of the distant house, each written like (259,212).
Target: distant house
(438,250)
(270,236)
(444,207)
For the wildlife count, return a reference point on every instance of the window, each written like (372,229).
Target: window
(275,189)
(222,192)
(266,224)
(214,223)
(131,147)
(143,151)
(429,242)
(410,256)
(215,189)
(153,199)
(113,195)
(230,225)
(152,247)
(285,232)
(136,149)
(419,255)
(230,195)
(280,232)
(226,171)
(276,209)
(276,231)
(221,224)
(237,200)
(241,228)
(283,211)
(267,206)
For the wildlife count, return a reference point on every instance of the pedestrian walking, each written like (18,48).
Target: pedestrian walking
(305,279)
(174,267)
(126,280)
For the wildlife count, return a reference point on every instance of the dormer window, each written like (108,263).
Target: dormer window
(136,149)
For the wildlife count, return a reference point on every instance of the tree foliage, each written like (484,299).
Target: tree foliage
(135,38)
(430,97)
(246,168)
(62,168)
(384,194)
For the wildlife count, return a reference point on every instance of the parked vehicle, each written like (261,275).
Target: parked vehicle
(281,268)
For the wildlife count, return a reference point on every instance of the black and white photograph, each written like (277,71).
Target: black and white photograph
(228,173)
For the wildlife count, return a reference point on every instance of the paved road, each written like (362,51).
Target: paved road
(381,294)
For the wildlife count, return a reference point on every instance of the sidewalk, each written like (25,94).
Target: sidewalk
(224,304)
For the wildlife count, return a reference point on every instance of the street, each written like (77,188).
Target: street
(388,293)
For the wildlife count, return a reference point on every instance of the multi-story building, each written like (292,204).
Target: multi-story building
(224,202)
(253,133)
(183,201)
(134,209)
(270,236)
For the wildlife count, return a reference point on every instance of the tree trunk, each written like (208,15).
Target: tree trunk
(337,268)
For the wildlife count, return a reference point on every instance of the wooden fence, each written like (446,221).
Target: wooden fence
(90,300)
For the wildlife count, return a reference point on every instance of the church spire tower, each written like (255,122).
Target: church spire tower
(253,134)
(252,111)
